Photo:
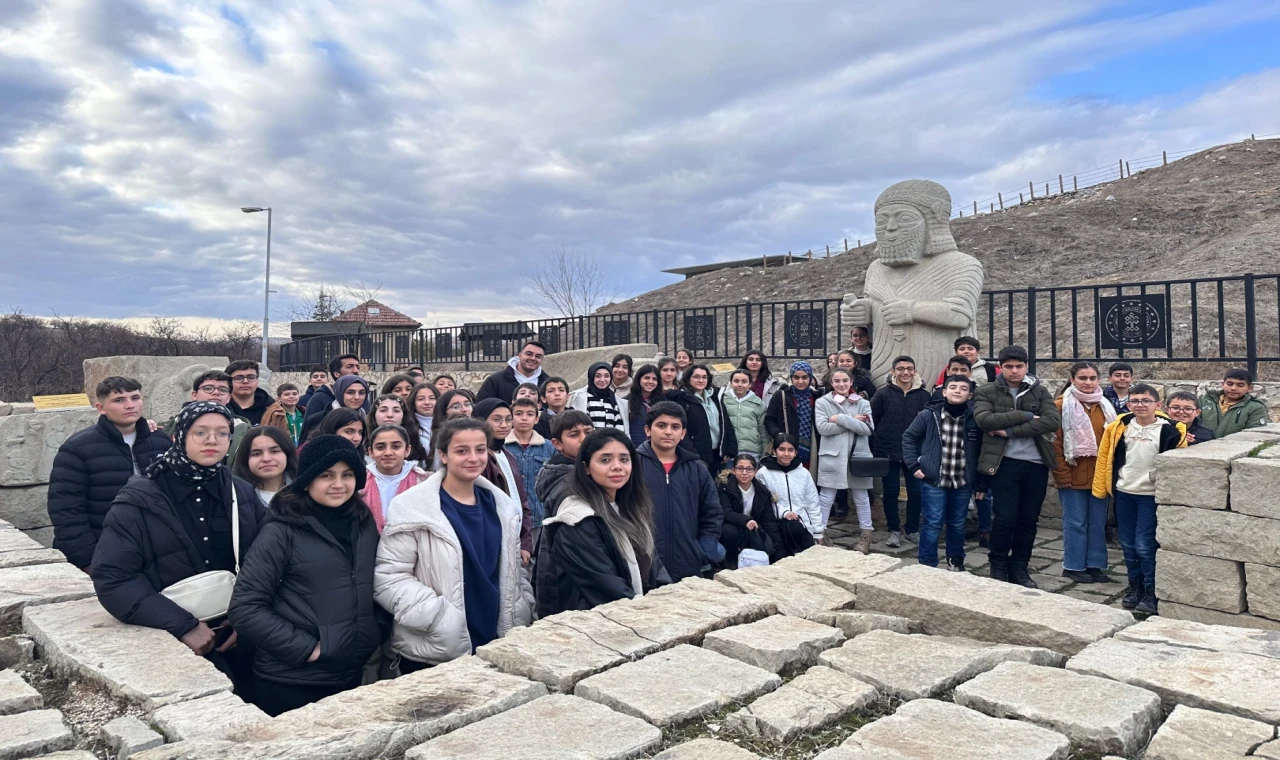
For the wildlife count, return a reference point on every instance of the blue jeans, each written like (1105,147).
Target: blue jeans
(1084,529)
(938,506)
(891,488)
(1136,524)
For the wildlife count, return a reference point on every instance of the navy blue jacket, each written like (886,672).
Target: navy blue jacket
(922,445)
(687,514)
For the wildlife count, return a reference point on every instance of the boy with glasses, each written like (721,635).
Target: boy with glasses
(247,399)
(1184,407)
(893,408)
(215,386)
(1127,467)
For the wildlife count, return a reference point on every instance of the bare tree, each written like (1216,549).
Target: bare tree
(325,303)
(568,283)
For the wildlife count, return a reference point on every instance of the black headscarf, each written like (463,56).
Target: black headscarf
(483,409)
(606,393)
(175,460)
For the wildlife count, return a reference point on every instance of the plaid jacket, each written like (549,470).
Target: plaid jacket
(922,446)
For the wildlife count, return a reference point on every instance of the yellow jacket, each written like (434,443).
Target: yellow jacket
(1106,470)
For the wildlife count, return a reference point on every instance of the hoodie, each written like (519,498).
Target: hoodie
(253,412)
(503,383)
(553,482)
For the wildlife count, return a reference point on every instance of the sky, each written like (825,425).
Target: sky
(443,149)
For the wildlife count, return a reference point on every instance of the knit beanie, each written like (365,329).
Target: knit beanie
(323,452)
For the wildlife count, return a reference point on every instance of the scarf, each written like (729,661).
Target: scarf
(175,460)
(1078,439)
(345,382)
(804,408)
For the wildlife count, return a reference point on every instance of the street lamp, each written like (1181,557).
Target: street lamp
(266,295)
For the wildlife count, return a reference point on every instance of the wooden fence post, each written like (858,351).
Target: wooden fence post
(846,245)
(1021,200)
(993,209)
(1046,189)
(828,251)
(1075,186)
(1122,168)
(1000,197)
(1032,185)
(975,208)
(1164,154)
(1060,190)
(1127,169)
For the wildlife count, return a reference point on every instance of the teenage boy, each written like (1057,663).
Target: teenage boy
(1184,407)
(980,370)
(1127,467)
(956,366)
(531,451)
(1121,376)
(316,378)
(940,449)
(960,366)
(893,408)
(687,516)
(93,465)
(284,414)
(1018,417)
(555,397)
(568,431)
(523,368)
(322,399)
(1233,408)
(417,373)
(247,399)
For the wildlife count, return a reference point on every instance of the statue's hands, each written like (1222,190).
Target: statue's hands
(855,311)
(897,313)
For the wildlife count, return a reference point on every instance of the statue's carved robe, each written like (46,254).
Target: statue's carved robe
(943,291)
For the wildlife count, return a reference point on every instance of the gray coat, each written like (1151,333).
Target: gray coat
(838,440)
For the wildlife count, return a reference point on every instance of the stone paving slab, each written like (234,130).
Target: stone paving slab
(143,665)
(1191,734)
(556,655)
(962,604)
(778,644)
(795,593)
(1270,750)
(816,698)
(1174,611)
(1217,638)
(1240,684)
(32,585)
(16,651)
(553,727)
(1263,584)
(70,754)
(684,612)
(31,733)
(916,666)
(1096,714)
(1216,584)
(1254,485)
(706,749)
(1224,535)
(128,735)
(677,685)
(16,695)
(12,540)
(839,566)
(212,717)
(24,557)
(855,623)
(927,729)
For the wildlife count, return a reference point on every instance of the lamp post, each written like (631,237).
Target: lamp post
(266,289)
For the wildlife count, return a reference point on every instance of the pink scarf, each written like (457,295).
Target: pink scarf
(1078,439)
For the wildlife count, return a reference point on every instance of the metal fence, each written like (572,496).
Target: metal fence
(1225,320)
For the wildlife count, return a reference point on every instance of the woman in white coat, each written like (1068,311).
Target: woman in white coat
(795,495)
(843,419)
(448,566)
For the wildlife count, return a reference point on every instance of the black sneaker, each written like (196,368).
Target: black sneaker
(955,564)
(1148,605)
(1099,575)
(1132,597)
(984,540)
(1018,574)
(1000,569)
(1079,576)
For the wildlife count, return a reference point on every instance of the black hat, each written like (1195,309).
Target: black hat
(321,453)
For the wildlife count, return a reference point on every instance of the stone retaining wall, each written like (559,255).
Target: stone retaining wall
(1219,530)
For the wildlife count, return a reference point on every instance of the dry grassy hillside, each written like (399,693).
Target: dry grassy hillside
(1212,213)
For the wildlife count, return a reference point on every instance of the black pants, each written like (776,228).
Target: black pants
(1017,492)
(793,538)
(408,666)
(735,539)
(275,698)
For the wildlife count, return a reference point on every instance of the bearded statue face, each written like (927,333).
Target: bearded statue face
(902,234)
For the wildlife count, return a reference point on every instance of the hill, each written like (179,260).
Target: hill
(1213,213)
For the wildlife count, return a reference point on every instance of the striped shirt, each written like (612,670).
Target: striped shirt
(603,413)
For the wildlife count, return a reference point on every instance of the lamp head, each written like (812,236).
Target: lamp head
(251,209)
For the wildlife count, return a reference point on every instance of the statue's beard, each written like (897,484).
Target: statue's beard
(906,249)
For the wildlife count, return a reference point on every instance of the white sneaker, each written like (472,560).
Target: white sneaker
(894,540)
(913,538)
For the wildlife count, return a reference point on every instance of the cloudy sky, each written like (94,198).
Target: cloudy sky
(441,148)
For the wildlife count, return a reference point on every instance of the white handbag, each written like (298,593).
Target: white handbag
(207,596)
(752,558)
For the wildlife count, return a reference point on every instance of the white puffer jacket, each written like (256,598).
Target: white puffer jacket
(794,491)
(418,576)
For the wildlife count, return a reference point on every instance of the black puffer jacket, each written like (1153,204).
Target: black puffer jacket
(762,509)
(686,511)
(553,482)
(781,416)
(144,549)
(299,586)
(893,411)
(89,470)
(698,429)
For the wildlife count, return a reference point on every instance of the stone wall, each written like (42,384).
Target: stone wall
(28,443)
(1219,530)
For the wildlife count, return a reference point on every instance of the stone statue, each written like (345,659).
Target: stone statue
(920,293)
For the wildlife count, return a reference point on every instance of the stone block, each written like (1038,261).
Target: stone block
(16,695)
(1236,683)
(555,726)
(917,666)
(1270,750)
(928,729)
(779,644)
(854,623)
(211,717)
(557,655)
(684,612)
(1199,476)
(961,604)
(1192,734)
(25,557)
(70,754)
(816,698)
(127,736)
(1254,486)
(42,536)
(1096,714)
(35,585)
(1214,638)
(29,442)
(573,365)
(22,407)
(14,540)
(1216,584)
(16,651)
(706,749)
(143,665)
(25,508)
(1263,590)
(166,380)
(795,593)
(839,566)
(676,685)
(32,733)
(1174,611)
(1224,535)
(1254,435)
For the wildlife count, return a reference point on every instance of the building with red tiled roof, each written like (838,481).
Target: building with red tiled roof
(378,317)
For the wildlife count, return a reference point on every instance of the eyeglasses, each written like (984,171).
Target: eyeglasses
(205,435)
(214,390)
(458,407)
(744,469)
(1182,409)
(242,379)
(1141,401)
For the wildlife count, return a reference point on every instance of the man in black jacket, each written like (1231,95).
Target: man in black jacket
(247,399)
(94,464)
(521,369)
(686,508)
(322,399)
(894,408)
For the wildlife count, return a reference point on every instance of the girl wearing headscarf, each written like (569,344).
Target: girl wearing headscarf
(503,470)
(791,413)
(176,522)
(349,392)
(599,401)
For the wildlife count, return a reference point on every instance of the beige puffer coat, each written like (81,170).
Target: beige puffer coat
(418,576)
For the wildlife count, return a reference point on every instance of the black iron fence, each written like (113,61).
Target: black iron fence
(1224,320)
